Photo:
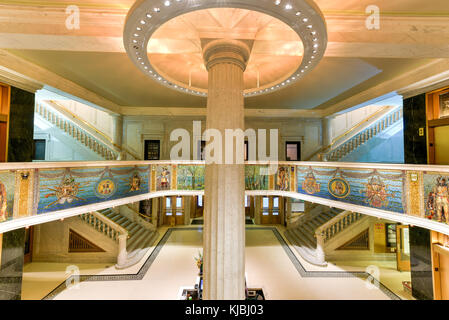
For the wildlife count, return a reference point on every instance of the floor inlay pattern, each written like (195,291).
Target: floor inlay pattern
(295,261)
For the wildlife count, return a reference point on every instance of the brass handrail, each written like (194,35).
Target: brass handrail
(96,130)
(334,141)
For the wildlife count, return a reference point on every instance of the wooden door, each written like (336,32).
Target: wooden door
(271,210)
(444,276)
(402,248)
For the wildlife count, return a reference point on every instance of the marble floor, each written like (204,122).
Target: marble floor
(270,264)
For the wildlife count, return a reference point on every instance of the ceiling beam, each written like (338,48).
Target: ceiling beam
(101,30)
(405,84)
(21,68)
(202,112)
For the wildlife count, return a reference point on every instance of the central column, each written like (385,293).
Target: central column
(224,216)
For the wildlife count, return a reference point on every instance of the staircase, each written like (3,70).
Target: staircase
(380,125)
(314,231)
(138,238)
(302,235)
(76,131)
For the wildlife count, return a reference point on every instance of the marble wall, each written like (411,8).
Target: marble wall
(12,265)
(421,263)
(415,152)
(415,146)
(20,149)
(21,126)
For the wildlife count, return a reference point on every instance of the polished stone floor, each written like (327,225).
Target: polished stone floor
(270,264)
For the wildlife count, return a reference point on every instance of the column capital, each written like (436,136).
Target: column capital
(226,51)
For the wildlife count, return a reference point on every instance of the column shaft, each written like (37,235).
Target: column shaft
(224,217)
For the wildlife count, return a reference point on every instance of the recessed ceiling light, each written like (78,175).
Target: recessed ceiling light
(167,3)
(288,6)
(157,9)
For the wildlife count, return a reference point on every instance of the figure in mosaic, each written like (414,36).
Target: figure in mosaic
(3,202)
(164,179)
(376,193)
(438,201)
(310,184)
(135,183)
(282,179)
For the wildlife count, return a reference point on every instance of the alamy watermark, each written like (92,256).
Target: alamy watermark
(373,20)
(72,21)
(229,149)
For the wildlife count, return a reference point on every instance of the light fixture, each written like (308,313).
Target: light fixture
(141,18)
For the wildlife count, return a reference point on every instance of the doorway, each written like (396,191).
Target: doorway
(438,126)
(402,248)
(173,209)
(271,210)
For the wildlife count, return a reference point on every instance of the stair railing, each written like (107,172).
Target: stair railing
(64,119)
(110,229)
(380,125)
(336,225)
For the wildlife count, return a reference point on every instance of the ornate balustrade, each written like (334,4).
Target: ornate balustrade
(104,225)
(110,229)
(34,193)
(82,131)
(349,141)
(337,224)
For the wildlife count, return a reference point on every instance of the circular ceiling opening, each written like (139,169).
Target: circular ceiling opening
(165,38)
(175,50)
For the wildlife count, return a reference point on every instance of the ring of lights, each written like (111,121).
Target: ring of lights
(303,16)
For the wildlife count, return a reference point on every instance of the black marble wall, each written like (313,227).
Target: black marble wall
(20,149)
(421,263)
(415,152)
(21,126)
(415,146)
(12,265)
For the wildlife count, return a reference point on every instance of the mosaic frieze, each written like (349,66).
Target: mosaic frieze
(283,178)
(163,177)
(256,177)
(436,197)
(7,188)
(190,177)
(72,187)
(380,189)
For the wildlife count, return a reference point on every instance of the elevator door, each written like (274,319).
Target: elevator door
(442,145)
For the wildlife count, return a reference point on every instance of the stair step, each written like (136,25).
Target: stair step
(133,228)
(304,239)
(122,220)
(126,224)
(140,240)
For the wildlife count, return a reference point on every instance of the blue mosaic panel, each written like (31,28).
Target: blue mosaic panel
(67,188)
(380,189)
(7,187)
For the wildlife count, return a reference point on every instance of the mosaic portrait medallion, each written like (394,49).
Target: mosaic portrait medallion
(339,188)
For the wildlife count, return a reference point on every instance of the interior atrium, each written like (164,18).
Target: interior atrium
(224,150)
